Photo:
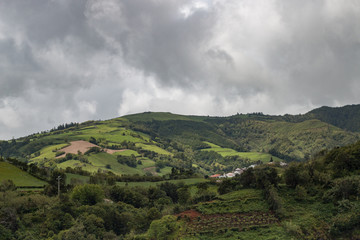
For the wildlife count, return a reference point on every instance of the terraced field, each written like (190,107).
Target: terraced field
(217,223)
(233,213)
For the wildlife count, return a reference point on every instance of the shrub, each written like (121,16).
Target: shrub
(165,228)
(300,193)
(344,188)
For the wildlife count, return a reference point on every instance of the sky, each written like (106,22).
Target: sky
(67,61)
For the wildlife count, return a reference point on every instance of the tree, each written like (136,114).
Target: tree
(184,195)
(171,190)
(296,174)
(88,194)
(52,188)
(7,185)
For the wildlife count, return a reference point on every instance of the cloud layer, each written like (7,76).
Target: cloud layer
(63,61)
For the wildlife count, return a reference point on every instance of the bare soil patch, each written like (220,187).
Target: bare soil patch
(76,146)
(83,146)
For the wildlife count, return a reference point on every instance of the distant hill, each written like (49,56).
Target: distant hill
(153,143)
(347,117)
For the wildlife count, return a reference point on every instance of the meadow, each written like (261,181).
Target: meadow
(252,156)
(18,176)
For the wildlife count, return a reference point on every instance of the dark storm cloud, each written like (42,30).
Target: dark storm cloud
(65,60)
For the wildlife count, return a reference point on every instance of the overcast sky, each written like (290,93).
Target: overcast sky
(71,61)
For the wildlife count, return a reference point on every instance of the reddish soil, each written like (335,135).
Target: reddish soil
(76,146)
(83,146)
(190,214)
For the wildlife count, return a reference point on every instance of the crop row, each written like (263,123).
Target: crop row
(216,222)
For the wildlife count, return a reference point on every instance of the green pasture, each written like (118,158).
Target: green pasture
(77,163)
(127,152)
(252,156)
(146,163)
(49,152)
(18,176)
(101,160)
(154,148)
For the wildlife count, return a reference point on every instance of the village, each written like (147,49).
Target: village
(239,171)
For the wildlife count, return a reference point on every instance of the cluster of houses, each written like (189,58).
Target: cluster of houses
(239,171)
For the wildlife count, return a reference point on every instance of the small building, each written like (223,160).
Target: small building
(230,175)
(215,176)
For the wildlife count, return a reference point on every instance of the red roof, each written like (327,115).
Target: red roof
(215,175)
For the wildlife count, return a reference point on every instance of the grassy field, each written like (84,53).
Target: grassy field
(154,148)
(252,156)
(19,177)
(70,178)
(49,152)
(101,160)
(127,153)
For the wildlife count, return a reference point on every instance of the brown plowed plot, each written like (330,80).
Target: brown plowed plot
(83,146)
(76,146)
(203,224)
(111,151)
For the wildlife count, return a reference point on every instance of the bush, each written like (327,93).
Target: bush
(300,193)
(7,185)
(93,150)
(344,188)
(274,201)
(165,228)
(59,153)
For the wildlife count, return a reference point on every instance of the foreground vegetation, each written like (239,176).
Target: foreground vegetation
(316,199)
(146,176)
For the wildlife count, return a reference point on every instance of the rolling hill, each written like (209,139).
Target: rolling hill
(153,143)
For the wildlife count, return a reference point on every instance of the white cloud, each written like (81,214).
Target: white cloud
(9,117)
(63,61)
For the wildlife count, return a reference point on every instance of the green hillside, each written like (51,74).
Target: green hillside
(166,141)
(19,177)
(347,117)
